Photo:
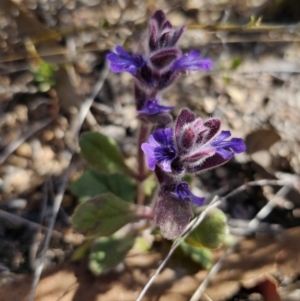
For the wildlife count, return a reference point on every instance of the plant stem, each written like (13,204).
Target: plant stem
(143,135)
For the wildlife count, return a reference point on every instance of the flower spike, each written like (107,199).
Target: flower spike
(153,107)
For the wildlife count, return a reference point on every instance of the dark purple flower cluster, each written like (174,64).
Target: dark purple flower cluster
(157,67)
(192,145)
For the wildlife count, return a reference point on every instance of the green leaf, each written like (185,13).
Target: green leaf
(108,252)
(44,87)
(83,250)
(92,183)
(103,215)
(149,185)
(105,24)
(101,152)
(199,255)
(212,231)
(236,62)
(142,244)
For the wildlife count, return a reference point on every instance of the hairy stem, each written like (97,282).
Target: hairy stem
(142,171)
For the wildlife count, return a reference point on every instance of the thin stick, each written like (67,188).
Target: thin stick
(15,144)
(84,109)
(207,297)
(20,222)
(36,245)
(57,202)
(263,213)
(257,183)
(256,27)
(143,134)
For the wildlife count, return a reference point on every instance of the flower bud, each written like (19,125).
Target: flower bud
(211,232)
(164,57)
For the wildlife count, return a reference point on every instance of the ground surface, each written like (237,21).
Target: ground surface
(253,87)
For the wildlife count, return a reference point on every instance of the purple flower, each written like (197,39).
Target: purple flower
(161,64)
(123,61)
(192,61)
(160,149)
(161,33)
(199,145)
(227,148)
(153,107)
(183,192)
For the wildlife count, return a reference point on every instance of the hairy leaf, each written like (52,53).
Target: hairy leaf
(108,252)
(102,152)
(198,255)
(212,231)
(103,215)
(92,183)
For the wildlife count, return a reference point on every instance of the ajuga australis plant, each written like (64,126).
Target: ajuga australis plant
(189,145)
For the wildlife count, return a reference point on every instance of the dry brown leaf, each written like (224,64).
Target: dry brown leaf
(268,289)
(261,140)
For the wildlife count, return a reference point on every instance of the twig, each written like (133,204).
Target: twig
(214,270)
(143,134)
(34,248)
(84,109)
(15,144)
(192,225)
(20,221)
(57,202)
(89,101)
(255,27)
(257,183)
(263,213)
(207,297)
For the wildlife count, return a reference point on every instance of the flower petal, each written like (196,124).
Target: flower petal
(185,116)
(209,129)
(198,155)
(226,147)
(164,136)
(183,192)
(166,165)
(150,156)
(123,61)
(160,149)
(209,163)
(153,107)
(191,61)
